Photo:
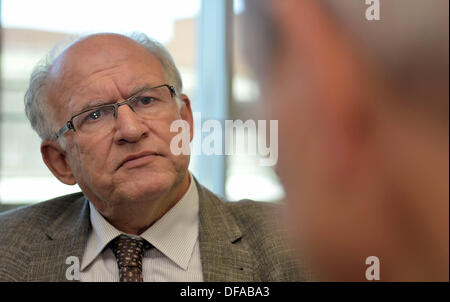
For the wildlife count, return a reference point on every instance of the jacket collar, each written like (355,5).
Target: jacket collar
(225,257)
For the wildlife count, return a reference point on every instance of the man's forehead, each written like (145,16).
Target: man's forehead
(98,51)
(72,71)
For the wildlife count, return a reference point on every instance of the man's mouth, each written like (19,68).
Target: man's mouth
(138,159)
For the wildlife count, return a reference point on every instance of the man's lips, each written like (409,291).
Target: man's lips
(138,159)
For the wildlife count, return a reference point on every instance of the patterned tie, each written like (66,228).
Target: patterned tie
(129,252)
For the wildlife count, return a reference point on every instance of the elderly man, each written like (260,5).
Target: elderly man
(103,108)
(363,115)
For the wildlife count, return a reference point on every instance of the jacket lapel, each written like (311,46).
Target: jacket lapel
(65,237)
(225,255)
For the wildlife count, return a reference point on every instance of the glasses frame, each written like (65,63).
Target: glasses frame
(70,126)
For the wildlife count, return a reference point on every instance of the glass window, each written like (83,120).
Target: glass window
(30,28)
(245,177)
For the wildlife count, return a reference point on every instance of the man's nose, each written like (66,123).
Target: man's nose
(129,127)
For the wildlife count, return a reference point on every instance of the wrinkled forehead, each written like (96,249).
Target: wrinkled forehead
(103,58)
(97,53)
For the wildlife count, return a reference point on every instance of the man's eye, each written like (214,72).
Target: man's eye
(146,100)
(95,115)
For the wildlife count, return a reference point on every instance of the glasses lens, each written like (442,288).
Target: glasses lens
(148,103)
(94,120)
(152,101)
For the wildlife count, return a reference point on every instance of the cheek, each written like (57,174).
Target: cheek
(162,137)
(90,158)
(160,133)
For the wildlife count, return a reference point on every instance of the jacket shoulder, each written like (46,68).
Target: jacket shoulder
(21,227)
(256,217)
(35,216)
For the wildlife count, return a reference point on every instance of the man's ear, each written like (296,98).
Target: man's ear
(56,160)
(186,113)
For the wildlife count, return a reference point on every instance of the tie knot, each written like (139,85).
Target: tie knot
(129,252)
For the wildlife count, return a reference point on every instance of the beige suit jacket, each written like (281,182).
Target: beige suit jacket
(239,241)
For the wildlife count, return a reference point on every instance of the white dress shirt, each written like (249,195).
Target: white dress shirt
(176,252)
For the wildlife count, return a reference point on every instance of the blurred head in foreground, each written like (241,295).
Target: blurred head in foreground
(363,130)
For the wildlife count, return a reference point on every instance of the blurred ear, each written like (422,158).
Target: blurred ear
(186,113)
(56,160)
(327,54)
(335,73)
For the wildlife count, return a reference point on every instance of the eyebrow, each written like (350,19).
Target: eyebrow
(99,103)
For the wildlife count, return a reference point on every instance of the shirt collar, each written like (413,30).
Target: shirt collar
(174,234)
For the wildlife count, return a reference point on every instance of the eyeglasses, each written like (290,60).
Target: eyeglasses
(147,103)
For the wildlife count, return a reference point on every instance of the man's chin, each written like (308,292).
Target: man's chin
(147,187)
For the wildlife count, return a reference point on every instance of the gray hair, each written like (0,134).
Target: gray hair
(36,106)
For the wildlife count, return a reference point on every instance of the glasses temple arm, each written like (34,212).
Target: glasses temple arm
(68,126)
